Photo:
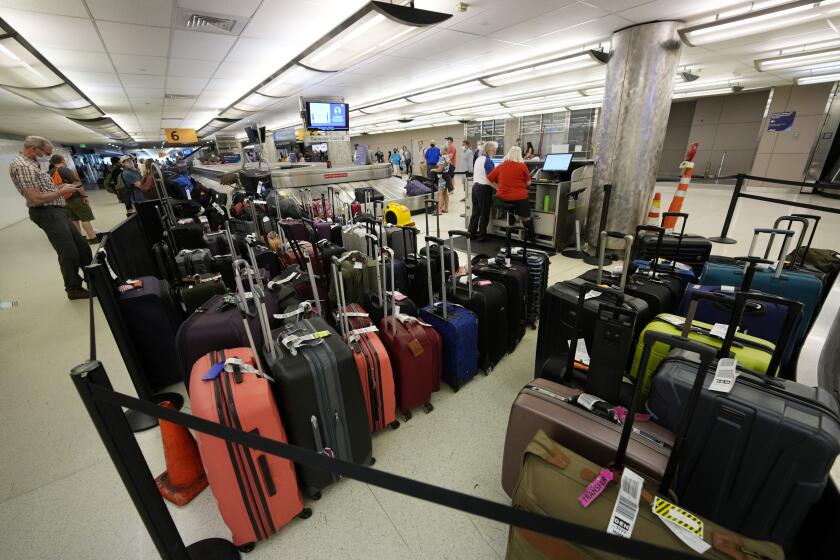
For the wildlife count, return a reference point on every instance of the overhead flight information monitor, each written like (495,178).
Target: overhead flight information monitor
(557,162)
(324,115)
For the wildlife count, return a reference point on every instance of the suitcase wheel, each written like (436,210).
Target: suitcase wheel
(247,547)
(372,461)
(488,370)
(306,513)
(428,407)
(395,424)
(407,415)
(313,493)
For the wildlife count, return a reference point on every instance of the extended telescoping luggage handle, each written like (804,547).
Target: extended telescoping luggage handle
(240,265)
(453,233)
(429,204)
(789,221)
(660,236)
(377,256)
(585,288)
(378,202)
(816,219)
(628,247)
(339,296)
(439,242)
(773,232)
(390,252)
(707,356)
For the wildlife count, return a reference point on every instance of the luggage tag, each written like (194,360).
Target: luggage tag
(214,372)
(674,320)
(293,342)
(581,354)
(591,294)
(626,506)
(465,279)
(484,282)
(597,406)
(621,413)
(398,296)
(129,285)
(303,307)
(728,289)
(596,487)
(685,526)
(725,375)
(719,330)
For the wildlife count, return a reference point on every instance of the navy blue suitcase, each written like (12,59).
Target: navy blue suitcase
(458,329)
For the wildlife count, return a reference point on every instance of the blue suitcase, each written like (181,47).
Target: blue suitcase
(797,286)
(458,328)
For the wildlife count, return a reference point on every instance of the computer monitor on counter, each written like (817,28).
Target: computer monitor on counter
(557,163)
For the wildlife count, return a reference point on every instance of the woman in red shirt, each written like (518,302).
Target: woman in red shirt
(513,179)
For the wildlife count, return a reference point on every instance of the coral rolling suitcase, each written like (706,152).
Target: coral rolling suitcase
(256,492)
(457,326)
(558,480)
(375,372)
(488,300)
(758,457)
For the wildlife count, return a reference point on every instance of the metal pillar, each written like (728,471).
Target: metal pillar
(637,100)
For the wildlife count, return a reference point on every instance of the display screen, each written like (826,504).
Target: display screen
(497,160)
(284,135)
(557,162)
(253,136)
(323,115)
(319,147)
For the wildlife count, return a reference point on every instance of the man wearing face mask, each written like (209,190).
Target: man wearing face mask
(45,201)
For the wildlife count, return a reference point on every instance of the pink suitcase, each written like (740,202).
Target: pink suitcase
(256,493)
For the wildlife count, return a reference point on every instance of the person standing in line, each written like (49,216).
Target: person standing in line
(452,152)
(132,178)
(380,157)
(432,156)
(465,165)
(395,162)
(442,171)
(482,192)
(513,178)
(407,161)
(45,201)
(76,205)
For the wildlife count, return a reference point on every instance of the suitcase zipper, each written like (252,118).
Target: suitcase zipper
(220,410)
(249,460)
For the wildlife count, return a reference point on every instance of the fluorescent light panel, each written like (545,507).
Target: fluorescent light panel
(568,63)
(442,93)
(21,68)
(805,80)
(758,21)
(798,60)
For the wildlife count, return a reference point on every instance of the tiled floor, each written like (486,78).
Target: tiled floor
(61,498)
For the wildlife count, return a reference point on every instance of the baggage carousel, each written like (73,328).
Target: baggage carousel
(295,179)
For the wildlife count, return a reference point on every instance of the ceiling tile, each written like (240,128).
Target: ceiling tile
(492,20)
(188,68)
(247,50)
(297,23)
(142,81)
(151,12)
(134,64)
(252,73)
(69,60)
(58,32)
(122,38)
(56,7)
(145,93)
(201,46)
(616,5)
(676,9)
(191,86)
(95,81)
(240,8)
(550,22)
(583,34)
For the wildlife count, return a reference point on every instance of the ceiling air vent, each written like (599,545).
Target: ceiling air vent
(208,22)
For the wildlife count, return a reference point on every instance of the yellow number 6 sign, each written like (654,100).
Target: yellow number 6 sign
(180,135)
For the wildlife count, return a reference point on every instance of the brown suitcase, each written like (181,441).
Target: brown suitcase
(541,405)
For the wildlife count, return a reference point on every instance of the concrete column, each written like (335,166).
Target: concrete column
(634,116)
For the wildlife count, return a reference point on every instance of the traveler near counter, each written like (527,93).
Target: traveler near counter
(465,165)
(482,192)
(396,159)
(513,179)
(431,157)
(45,201)
(409,163)
(77,205)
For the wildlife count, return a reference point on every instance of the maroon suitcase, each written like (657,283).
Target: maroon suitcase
(544,405)
(416,352)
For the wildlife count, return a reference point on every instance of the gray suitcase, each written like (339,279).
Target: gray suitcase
(194,261)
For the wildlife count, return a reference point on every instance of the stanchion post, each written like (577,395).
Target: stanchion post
(605,208)
(733,202)
(131,465)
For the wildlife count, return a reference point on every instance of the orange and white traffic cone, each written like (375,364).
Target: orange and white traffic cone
(653,213)
(184,477)
(687,167)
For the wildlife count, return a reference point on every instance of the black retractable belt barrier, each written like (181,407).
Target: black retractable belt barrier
(738,193)
(105,408)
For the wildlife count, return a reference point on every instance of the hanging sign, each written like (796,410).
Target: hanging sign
(180,135)
(781,122)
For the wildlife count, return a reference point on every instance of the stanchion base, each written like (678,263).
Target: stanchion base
(213,549)
(175,398)
(593,260)
(140,422)
(574,254)
(724,240)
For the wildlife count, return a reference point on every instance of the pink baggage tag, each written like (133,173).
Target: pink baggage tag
(398,296)
(621,412)
(484,282)
(596,487)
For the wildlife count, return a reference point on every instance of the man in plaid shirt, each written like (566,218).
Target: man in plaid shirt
(45,201)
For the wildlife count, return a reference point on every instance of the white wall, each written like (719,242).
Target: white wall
(409,138)
(12,205)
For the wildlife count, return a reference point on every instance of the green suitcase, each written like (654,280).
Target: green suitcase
(557,482)
(752,353)
(200,288)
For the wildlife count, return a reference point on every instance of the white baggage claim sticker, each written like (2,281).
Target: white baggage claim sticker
(685,526)
(626,507)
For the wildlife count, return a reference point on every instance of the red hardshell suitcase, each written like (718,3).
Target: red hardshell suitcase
(257,493)
(416,352)
(375,371)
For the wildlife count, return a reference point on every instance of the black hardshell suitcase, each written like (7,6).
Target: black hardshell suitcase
(152,317)
(661,291)
(515,281)
(450,259)
(536,264)
(488,300)
(558,320)
(188,235)
(755,459)
(687,248)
